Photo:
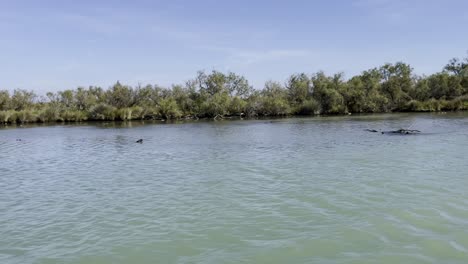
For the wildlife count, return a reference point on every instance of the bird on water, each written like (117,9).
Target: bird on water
(139,141)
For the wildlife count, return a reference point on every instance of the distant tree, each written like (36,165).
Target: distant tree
(299,87)
(22,99)
(218,82)
(216,105)
(67,98)
(168,108)
(444,86)
(274,100)
(457,66)
(85,98)
(181,95)
(238,86)
(355,95)
(5,102)
(397,82)
(120,96)
(326,91)
(421,91)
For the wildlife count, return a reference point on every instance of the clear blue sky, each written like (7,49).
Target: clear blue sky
(54,45)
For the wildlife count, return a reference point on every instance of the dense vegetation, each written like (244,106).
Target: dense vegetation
(391,87)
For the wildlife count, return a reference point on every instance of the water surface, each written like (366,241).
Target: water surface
(299,190)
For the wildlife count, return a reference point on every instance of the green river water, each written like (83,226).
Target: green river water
(297,190)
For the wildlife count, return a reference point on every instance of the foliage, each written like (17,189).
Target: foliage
(391,87)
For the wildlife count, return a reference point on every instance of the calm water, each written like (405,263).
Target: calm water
(301,190)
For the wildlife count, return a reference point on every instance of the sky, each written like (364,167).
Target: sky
(55,45)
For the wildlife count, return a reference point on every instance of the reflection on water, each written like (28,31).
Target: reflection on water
(298,190)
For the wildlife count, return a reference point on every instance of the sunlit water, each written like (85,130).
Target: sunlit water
(300,190)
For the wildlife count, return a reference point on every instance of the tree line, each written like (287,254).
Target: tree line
(389,88)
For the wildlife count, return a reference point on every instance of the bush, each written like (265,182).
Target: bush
(73,116)
(102,111)
(308,107)
(167,109)
(7,116)
(124,114)
(237,106)
(25,116)
(434,105)
(49,114)
(215,105)
(137,113)
(274,106)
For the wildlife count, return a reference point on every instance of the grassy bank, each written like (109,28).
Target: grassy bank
(137,113)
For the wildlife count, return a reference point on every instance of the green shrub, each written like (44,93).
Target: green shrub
(167,109)
(137,113)
(308,107)
(25,116)
(49,114)
(73,116)
(7,116)
(274,106)
(124,114)
(102,111)
(434,105)
(237,106)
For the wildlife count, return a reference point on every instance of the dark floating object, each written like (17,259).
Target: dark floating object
(18,139)
(139,141)
(399,131)
(402,131)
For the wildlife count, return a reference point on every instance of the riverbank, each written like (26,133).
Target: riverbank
(226,120)
(217,95)
(136,114)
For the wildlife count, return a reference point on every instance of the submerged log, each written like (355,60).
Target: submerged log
(402,131)
(399,131)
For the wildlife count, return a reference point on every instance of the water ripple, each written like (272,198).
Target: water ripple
(307,190)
